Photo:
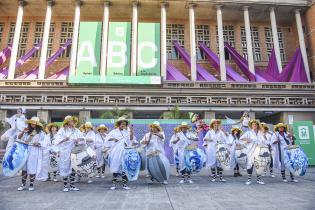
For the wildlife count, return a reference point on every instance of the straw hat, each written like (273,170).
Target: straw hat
(236,129)
(281,125)
(85,126)
(254,121)
(183,125)
(176,129)
(50,125)
(70,118)
(102,126)
(213,121)
(264,126)
(121,119)
(36,121)
(156,125)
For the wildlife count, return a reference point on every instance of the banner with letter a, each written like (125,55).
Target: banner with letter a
(148,49)
(118,55)
(89,49)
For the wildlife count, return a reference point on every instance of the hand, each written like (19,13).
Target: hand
(25,130)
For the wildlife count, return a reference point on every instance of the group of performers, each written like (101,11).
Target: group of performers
(74,152)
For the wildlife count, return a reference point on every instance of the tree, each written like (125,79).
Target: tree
(116,113)
(174,113)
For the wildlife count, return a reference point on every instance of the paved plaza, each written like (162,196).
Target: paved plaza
(202,194)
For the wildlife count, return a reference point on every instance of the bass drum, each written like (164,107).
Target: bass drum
(131,163)
(295,160)
(195,158)
(241,156)
(143,156)
(83,163)
(223,155)
(262,159)
(158,166)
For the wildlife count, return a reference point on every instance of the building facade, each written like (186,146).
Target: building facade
(253,28)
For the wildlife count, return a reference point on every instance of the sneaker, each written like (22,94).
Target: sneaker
(165,182)
(21,188)
(260,182)
(294,180)
(125,187)
(248,182)
(182,181)
(103,176)
(90,181)
(74,189)
(285,180)
(272,175)
(113,187)
(222,180)
(31,189)
(65,189)
(213,179)
(177,174)
(190,181)
(238,174)
(97,176)
(55,180)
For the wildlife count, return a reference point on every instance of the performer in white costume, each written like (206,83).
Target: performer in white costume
(183,139)
(233,140)
(154,141)
(99,148)
(251,139)
(34,136)
(213,136)
(175,149)
(266,140)
(89,136)
(122,136)
(17,125)
(245,119)
(280,140)
(67,137)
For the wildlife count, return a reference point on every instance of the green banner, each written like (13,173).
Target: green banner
(304,133)
(118,56)
(89,48)
(148,49)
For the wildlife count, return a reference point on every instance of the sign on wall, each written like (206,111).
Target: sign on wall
(304,133)
(89,49)
(118,56)
(148,49)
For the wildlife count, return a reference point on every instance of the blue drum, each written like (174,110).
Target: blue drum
(158,166)
(131,163)
(195,159)
(295,160)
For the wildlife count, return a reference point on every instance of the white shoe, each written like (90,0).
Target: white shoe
(113,187)
(260,182)
(248,182)
(294,180)
(74,189)
(103,176)
(272,175)
(165,182)
(182,181)
(222,180)
(190,181)
(97,176)
(213,180)
(65,189)
(89,181)
(55,180)
(31,189)
(285,180)
(125,187)
(21,188)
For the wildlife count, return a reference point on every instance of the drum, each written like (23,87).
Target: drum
(82,162)
(241,156)
(295,160)
(261,159)
(223,155)
(143,156)
(195,158)
(158,166)
(53,159)
(131,163)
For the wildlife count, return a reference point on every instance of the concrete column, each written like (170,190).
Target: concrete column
(3,115)
(252,115)
(221,43)
(249,41)
(84,116)
(16,40)
(105,38)
(164,5)
(43,53)
(302,42)
(75,36)
(193,57)
(209,115)
(274,29)
(134,44)
(44,115)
